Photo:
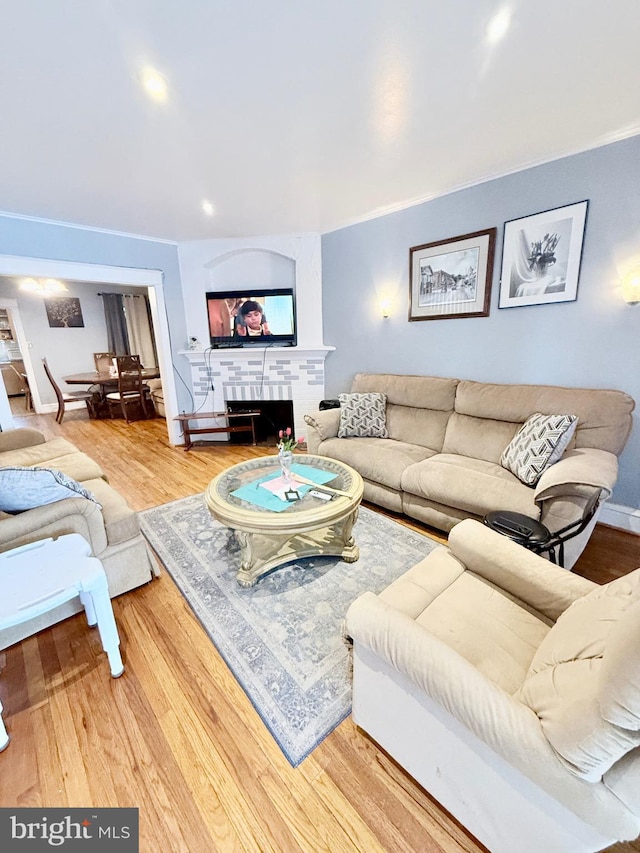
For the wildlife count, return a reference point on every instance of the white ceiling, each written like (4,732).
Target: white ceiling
(296,116)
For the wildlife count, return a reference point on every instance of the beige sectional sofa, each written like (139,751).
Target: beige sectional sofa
(441,461)
(110,526)
(510,689)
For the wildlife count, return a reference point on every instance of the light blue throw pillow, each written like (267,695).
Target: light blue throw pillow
(26,488)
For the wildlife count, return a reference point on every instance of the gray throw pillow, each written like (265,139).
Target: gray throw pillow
(538,444)
(363,415)
(26,488)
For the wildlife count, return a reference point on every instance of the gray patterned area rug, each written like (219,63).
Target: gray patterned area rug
(281,638)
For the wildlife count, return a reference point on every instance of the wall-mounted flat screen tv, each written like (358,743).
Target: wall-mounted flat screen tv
(242,318)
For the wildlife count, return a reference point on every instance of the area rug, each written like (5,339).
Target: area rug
(281,638)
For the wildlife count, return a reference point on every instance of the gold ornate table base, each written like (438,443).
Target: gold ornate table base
(262,552)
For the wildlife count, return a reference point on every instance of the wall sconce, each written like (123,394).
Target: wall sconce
(631,286)
(384,307)
(43,287)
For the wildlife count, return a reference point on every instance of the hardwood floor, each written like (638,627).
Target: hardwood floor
(176,735)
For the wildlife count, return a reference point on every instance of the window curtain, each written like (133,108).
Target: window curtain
(117,334)
(137,316)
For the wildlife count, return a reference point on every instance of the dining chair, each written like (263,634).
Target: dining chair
(103,361)
(69,397)
(25,389)
(130,386)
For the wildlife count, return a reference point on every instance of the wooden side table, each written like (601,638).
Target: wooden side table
(188,430)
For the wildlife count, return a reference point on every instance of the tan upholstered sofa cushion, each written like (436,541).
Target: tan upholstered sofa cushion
(379,460)
(57,453)
(489,629)
(418,407)
(471,485)
(584,680)
(603,416)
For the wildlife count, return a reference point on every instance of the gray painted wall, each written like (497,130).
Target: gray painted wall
(593,342)
(60,242)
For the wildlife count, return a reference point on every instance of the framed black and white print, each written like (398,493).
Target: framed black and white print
(452,278)
(541,257)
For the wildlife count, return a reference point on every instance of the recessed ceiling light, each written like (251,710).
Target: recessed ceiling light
(155,84)
(498,25)
(208,208)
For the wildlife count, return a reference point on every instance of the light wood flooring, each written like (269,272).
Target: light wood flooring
(176,736)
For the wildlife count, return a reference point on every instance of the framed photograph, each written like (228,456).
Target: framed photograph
(541,257)
(64,312)
(452,278)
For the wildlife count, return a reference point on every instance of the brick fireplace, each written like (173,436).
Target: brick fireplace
(222,377)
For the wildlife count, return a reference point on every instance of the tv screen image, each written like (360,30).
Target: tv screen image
(239,318)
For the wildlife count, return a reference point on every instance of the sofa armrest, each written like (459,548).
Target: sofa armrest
(533,580)
(72,515)
(322,425)
(16,439)
(577,474)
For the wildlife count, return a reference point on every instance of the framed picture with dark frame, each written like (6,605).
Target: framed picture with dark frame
(64,312)
(541,257)
(452,278)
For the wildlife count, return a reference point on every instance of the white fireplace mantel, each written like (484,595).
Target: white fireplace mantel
(256,373)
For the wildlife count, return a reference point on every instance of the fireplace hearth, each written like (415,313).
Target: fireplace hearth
(274,416)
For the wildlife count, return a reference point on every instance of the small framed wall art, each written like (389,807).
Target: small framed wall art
(452,278)
(541,257)
(64,312)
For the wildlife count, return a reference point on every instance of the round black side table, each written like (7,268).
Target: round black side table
(520,528)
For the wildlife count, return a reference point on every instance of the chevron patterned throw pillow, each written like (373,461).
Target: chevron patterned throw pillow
(363,415)
(538,444)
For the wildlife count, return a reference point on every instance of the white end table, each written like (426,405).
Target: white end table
(42,575)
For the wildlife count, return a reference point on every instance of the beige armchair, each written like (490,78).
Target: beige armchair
(510,690)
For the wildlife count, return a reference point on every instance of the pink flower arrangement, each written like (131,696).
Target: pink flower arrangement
(286,442)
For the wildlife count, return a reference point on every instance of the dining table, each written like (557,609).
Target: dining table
(103,382)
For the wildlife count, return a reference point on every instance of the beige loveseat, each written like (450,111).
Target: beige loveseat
(109,526)
(441,462)
(510,690)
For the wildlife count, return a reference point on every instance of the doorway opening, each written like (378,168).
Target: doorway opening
(12,367)
(148,281)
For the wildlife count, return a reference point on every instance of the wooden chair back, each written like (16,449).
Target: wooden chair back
(129,374)
(130,387)
(103,361)
(56,387)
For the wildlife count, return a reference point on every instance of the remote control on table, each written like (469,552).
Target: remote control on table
(324,496)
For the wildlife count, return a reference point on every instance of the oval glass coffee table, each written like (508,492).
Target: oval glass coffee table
(308,527)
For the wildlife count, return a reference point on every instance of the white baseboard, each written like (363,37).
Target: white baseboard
(623,517)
